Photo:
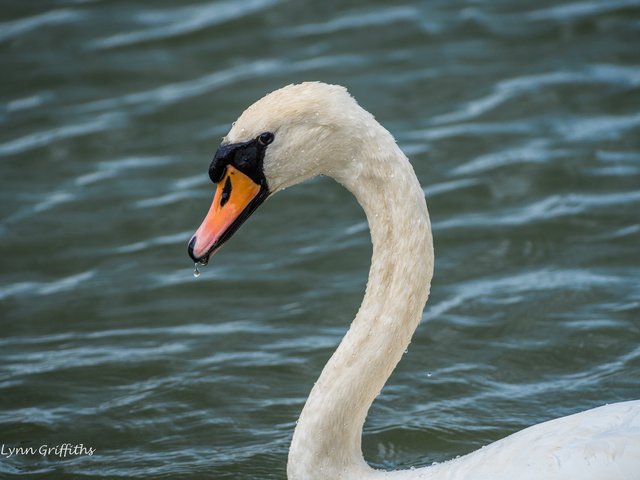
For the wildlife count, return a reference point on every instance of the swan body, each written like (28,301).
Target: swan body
(310,129)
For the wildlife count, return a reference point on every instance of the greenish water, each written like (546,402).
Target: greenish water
(521,120)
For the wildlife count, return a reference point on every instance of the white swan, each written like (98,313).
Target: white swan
(311,129)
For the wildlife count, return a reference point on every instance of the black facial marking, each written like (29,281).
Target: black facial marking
(248,158)
(245,156)
(226,192)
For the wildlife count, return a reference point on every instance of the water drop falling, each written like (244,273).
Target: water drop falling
(196,272)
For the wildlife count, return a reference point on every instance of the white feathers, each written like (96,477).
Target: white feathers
(320,129)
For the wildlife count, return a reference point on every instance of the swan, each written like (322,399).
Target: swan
(312,128)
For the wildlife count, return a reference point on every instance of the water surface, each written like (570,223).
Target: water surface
(521,120)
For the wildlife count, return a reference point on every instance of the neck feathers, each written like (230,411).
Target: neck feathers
(327,440)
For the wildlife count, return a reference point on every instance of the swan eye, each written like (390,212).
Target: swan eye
(265,138)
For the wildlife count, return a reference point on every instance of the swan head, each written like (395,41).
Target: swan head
(290,135)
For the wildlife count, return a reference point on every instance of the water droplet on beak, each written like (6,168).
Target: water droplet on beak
(196,272)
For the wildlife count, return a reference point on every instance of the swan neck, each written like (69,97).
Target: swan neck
(327,440)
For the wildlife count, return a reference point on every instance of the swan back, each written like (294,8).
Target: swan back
(598,444)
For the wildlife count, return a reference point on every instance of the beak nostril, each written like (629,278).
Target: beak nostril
(226,192)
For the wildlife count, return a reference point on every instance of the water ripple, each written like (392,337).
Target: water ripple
(551,207)
(471,129)
(115,168)
(181,21)
(505,90)
(598,128)
(448,187)
(580,9)
(535,280)
(161,240)
(24,26)
(39,362)
(43,138)
(156,98)
(379,17)
(45,288)
(26,103)
(117,334)
(534,151)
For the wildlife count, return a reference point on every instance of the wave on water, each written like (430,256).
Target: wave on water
(174,22)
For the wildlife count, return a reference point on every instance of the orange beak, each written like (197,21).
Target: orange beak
(236,197)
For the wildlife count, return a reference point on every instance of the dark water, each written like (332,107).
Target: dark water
(522,120)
